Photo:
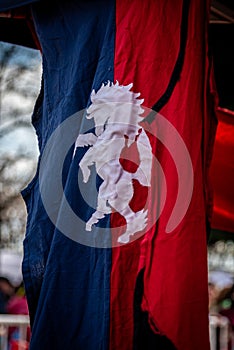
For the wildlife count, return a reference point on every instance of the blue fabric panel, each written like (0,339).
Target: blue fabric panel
(67,283)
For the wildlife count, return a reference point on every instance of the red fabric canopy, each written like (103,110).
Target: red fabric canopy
(222,172)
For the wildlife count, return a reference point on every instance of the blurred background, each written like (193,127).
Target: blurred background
(20,76)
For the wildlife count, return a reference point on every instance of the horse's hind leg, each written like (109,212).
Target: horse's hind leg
(102,210)
(97,215)
(136,222)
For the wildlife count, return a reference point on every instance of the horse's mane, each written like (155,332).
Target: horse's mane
(111,97)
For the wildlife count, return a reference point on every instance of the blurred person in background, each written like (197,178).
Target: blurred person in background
(227,306)
(221,308)
(7,290)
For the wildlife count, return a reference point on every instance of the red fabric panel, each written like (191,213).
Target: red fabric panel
(175,280)
(222,172)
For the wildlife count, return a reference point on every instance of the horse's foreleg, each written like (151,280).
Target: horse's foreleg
(85,163)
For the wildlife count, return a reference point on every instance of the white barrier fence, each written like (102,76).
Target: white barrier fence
(220,332)
(21,322)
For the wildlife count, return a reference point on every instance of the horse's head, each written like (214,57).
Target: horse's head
(114,103)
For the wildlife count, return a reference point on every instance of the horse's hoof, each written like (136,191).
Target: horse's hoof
(123,238)
(88,227)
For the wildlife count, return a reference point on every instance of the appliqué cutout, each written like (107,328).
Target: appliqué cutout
(116,113)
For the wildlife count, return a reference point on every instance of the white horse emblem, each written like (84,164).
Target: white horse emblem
(116,113)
